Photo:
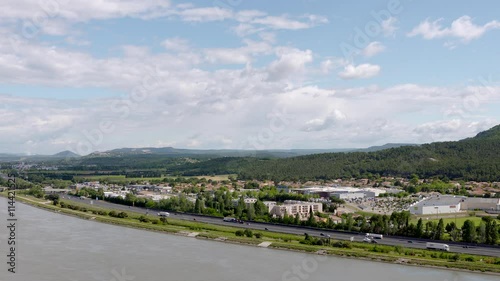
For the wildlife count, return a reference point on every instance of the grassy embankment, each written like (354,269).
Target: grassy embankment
(279,240)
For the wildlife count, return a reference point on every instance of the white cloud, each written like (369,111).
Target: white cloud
(330,64)
(205,14)
(462,28)
(320,124)
(445,130)
(291,61)
(281,23)
(360,71)
(35,12)
(389,26)
(176,44)
(240,55)
(373,48)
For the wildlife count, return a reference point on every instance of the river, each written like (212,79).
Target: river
(55,247)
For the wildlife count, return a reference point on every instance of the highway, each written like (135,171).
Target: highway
(290,229)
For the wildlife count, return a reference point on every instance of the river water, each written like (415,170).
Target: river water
(54,247)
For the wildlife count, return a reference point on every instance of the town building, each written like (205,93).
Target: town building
(292,207)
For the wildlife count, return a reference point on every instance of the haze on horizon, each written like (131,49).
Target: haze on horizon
(98,75)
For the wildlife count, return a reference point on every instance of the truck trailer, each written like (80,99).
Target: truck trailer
(374,236)
(437,246)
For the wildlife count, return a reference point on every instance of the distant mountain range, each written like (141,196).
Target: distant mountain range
(177,152)
(280,153)
(12,157)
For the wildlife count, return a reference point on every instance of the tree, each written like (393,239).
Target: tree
(197,206)
(491,230)
(439,232)
(481,232)
(419,230)
(296,219)
(260,208)
(250,212)
(311,221)
(468,231)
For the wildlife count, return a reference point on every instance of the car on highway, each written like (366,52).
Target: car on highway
(322,234)
(366,239)
(409,241)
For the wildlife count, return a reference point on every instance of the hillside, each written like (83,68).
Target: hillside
(476,158)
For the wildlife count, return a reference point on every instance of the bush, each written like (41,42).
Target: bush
(455,257)
(398,249)
(112,214)
(62,204)
(52,197)
(122,215)
(163,220)
(239,233)
(155,221)
(377,249)
(73,207)
(258,235)
(248,233)
(342,244)
(102,213)
(144,219)
(471,259)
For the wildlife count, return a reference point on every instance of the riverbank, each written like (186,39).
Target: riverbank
(381,253)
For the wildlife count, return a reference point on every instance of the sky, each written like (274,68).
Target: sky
(95,75)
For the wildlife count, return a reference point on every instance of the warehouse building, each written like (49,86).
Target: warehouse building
(436,205)
(484,204)
(342,192)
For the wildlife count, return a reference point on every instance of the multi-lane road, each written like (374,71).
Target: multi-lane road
(393,241)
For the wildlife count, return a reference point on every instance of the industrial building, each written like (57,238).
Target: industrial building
(346,192)
(484,204)
(442,204)
(349,195)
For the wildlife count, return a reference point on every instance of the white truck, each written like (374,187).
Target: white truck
(437,246)
(374,236)
(163,214)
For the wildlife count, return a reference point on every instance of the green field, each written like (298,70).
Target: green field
(459,220)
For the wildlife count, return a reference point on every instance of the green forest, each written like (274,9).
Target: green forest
(475,158)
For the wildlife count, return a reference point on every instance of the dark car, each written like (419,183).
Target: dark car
(322,234)
(409,241)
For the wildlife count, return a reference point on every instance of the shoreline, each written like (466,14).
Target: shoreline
(325,251)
